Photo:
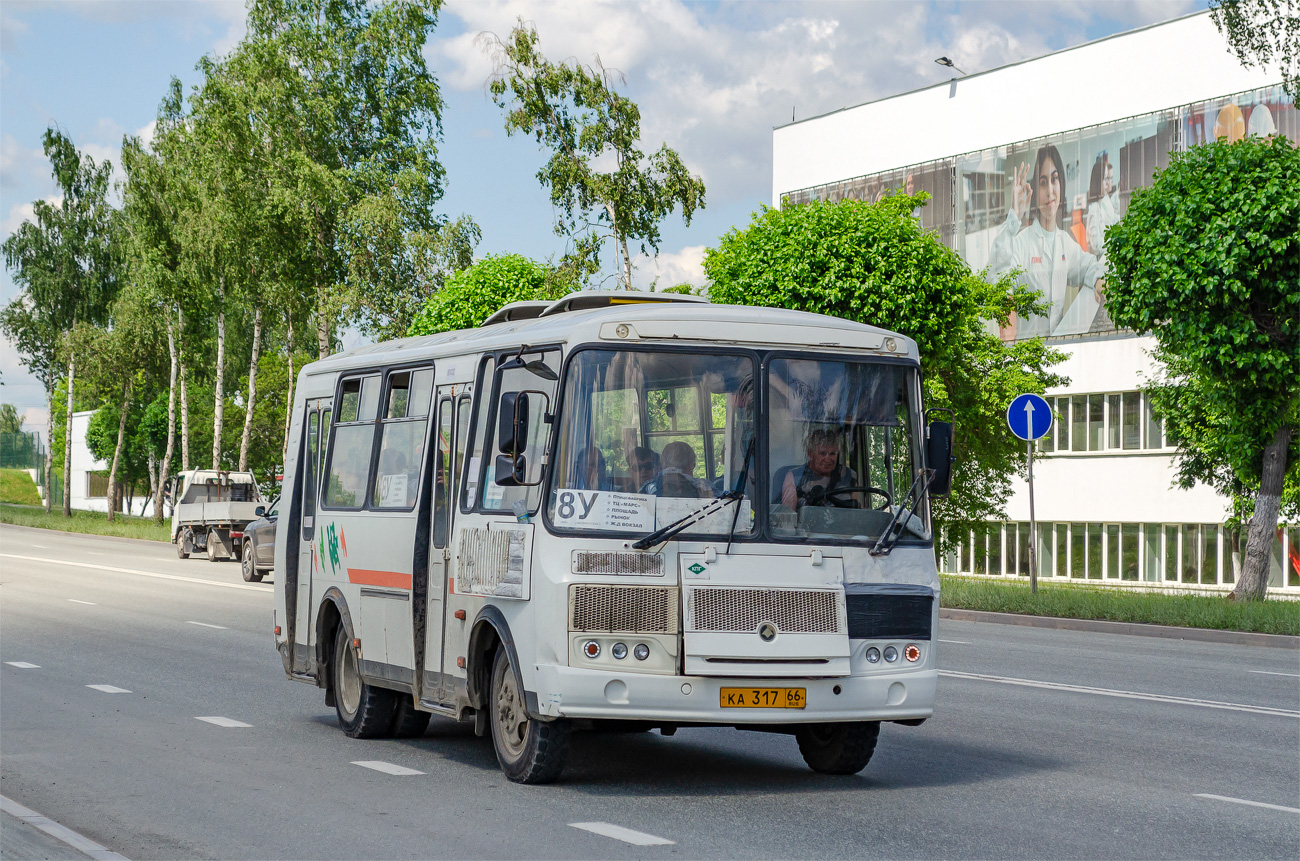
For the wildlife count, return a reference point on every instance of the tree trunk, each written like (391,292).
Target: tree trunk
(219,400)
(185,393)
(113,490)
(152,466)
(322,329)
(1259,539)
(49,448)
(67,441)
(252,390)
(288,401)
(627,263)
(164,468)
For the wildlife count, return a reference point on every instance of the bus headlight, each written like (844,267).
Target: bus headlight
(873,655)
(891,654)
(619,651)
(641,652)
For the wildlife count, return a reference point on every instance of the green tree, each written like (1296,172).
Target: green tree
(574,111)
(67,261)
(10,421)
(1207,259)
(874,264)
(1261,33)
(472,295)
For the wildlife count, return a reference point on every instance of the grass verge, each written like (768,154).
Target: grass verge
(88,522)
(1113,605)
(17,486)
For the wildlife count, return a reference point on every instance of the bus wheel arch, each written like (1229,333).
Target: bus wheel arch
(332,615)
(490,632)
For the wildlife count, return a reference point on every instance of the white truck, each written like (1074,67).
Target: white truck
(212,508)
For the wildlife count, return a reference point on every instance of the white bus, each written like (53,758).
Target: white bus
(626,510)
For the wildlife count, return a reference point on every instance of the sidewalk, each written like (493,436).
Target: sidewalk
(1168,632)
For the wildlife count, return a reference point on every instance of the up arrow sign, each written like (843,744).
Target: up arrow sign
(1029,417)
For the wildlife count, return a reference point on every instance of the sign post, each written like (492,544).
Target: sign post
(1030,418)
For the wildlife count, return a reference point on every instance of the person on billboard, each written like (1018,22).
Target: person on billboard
(1048,256)
(1103,205)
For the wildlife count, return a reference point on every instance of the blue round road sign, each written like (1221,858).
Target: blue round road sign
(1029,417)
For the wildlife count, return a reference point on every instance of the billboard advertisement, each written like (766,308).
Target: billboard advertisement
(1039,209)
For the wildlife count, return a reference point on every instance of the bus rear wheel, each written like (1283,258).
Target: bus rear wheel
(838,748)
(528,750)
(364,711)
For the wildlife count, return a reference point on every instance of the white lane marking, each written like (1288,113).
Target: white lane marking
(618,832)
(958,642)
(23,665)
(206,625)
(138,573)
(1244,801)
(224,721)
(1270,673)
(58,832)
(38,546)
(386,767)
(79,601)
(109,689)
(1130,695)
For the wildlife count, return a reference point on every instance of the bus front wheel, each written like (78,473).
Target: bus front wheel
(838,748)
(364,711)
(529,751)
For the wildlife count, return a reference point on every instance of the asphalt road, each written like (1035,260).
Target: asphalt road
(1046,744)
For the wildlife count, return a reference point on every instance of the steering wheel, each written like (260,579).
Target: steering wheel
(848,503)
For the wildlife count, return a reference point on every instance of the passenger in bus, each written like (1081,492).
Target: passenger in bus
(589,471)
(643,468)
(811,483)
(677,479)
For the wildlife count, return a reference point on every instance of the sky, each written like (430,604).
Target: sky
(712,80)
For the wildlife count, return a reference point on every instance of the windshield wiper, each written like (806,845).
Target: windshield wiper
(666,532)
(894,530)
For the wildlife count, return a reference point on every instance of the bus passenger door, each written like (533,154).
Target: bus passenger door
(315,435)
(444,496)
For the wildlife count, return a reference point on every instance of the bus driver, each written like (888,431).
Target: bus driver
(812,483)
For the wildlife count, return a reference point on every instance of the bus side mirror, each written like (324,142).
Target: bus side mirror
(938,456)
(511,470)
(512,423)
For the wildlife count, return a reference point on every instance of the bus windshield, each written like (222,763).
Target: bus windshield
(647,438)
(842,452)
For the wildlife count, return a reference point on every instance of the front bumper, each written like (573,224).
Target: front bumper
(582,693)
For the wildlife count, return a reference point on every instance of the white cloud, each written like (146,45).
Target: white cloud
(20,212)
(19,164)
(712,81)
(669,269)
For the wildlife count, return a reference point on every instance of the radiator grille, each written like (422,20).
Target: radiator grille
(623,609)
(642,564)
(797,611)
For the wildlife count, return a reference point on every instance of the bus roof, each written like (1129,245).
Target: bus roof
(638,323)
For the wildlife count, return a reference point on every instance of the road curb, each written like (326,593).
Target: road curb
(51,530)
(1137,629)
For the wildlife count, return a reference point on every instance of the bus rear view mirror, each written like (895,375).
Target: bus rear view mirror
(938,456)
(512,423)
(510,471)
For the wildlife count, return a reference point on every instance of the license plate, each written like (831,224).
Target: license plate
(762,698)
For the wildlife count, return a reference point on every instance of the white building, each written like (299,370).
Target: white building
(1103,116)
(89,482)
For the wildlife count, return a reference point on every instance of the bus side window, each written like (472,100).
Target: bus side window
(496,497)
(309,461)
(401,447)
(348,461)
(442,475)
(481,412)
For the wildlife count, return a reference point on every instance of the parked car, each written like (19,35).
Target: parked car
(259,543)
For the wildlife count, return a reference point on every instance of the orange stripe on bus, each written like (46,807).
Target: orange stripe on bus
(391,579)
